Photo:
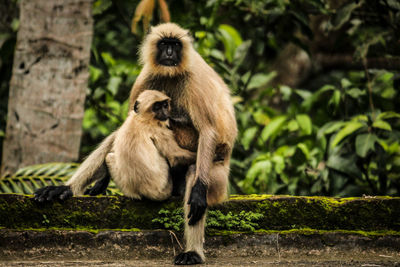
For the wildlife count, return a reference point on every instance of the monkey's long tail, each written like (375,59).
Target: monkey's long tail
(91,168)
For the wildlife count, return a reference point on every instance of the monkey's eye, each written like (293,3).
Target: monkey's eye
(165,104)
(157,106)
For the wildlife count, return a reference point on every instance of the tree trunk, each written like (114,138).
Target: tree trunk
(48,84)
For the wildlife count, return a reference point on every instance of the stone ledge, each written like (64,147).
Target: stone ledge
(254,212)
(125,245)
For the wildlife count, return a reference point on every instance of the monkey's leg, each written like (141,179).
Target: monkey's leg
(178,174)
(91,169)
(101,185)
(194,233)
(148,184)
(157,188)
(62,192)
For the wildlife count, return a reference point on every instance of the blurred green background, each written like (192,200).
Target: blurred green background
(315,85)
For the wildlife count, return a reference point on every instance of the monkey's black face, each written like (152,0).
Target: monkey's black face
(161,110)
(169,52)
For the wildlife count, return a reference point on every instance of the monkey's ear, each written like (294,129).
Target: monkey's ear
(136,107)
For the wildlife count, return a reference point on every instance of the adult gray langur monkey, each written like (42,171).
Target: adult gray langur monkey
(204,122)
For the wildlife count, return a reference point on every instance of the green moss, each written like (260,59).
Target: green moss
(239,213)
(94,231)
(308,231)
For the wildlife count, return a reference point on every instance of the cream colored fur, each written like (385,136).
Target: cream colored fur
(207,100)
(84,176)
(143,150)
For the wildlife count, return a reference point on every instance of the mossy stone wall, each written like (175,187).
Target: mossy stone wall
(267,213)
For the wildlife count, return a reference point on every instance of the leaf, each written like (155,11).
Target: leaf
(335,99)
(286,92)
(355,93)
(261,79)
(248,137)
(393,4)
(113,84)
(345,83)
(241,53)
(308,102)
(365,143)
(304,123)
(100,6)
(28,179)
(257,169)
(108,59)
(293,126)
(388,115)
(235,35)
(344,165)
(304,149)
(350,128)
(95,73)
(279,163)
(231,39)
(329,128)
(273,127)
(382,125)
(261,118)
(344,13)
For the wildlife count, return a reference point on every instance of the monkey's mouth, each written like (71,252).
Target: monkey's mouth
(161,117)
(169,62)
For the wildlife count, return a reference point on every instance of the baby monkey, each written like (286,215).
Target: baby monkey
(145,149)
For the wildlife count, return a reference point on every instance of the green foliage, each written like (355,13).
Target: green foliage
(113,70)
(170,219)
(29,179)
(242,221)
(333,151)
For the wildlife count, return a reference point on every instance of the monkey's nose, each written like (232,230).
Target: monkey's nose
(169,51)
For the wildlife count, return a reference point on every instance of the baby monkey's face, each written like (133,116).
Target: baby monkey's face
(161,110)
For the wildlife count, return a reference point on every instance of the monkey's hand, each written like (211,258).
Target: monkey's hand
(197,202)
(50,193)
(99,188)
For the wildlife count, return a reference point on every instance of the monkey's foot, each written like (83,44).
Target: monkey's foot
(188,258)
(50,193)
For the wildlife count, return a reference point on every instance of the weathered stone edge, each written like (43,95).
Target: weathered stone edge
(254,212)
(155,244)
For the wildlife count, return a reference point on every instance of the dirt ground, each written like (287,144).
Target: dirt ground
(308,259)
(157,248)
(214,262)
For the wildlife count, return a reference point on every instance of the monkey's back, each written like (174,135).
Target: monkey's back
(137,161)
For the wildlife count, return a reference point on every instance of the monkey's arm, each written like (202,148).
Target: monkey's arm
(180,121)
(205,155)
(169,148)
